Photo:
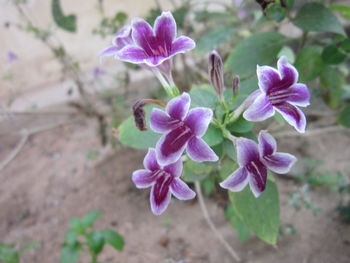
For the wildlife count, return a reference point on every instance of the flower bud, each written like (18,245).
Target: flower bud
(235,85)
(216,73)
(139,115)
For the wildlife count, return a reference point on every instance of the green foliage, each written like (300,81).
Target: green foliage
(276,12)
(68,22)
(94,241)
(111,25)
(333,55)
(203,96)
(8,254)
(240,125)
(130,136)
(331,85)
(194,171)
(318,18)
(213,136)
(258,49)
(344,117)
(214,38)
(343,10)
(309,63)
(261,215)
(243,231)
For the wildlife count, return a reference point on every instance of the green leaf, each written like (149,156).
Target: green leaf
(344,117)
(343,10)
(258,49)
(77,225)
(316,17)
(130,136)
(331,83)
(276,12)
(70,237)
(309,63)
(203,96)
(213,136)
(70,254)
(288,52)
(113,238)
(95,242)
(194,171)
(90,218)
(240,125)
(345,46)
(332,55)
(214,38)
(68,22)
(227,167)
(8,254)
(229,149)
(261,215)
(243,231)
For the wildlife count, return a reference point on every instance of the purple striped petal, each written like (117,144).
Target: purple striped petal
(142,34)
(198,120)
(181,190)
(143,178)
(132,54)
(110,51)
(268,78)
(182,44)
(288,72)
(170,146)
(165,29)
(178,107)
(293,116)
(175,169)
(267,144)
(236,181)
(161,122)
(160,194)
(259,110)
(247,151)
(257,177)
(299,95)
(279,162)
(199,151)
(150,160)
(123,37)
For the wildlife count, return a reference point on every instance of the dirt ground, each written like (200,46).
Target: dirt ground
(52,180)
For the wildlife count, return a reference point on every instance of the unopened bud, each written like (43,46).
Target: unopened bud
(139,112)
(216,72)
(235,85)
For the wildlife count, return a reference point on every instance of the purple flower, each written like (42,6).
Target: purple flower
(183,129)
(10,56)
(254,160)
(122,39)
(153,46)
(97,72)
(279,91)
(163,180)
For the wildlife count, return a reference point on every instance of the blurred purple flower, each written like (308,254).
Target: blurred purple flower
(183,129)
(279,91)
(11,56)
(165,181)
(97,72)
(254,160)
(122,39)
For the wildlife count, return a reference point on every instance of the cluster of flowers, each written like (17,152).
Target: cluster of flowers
(182,127)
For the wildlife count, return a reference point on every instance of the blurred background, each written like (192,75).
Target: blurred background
(61,106)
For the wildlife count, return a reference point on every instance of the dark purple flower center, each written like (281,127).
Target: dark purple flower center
(278,97)
(176,139)
(259,173)
(156,47)
(161,187)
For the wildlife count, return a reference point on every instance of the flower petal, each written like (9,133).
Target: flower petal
(288,72)
(160,194)
(293,116)
(199,151)
(170,146)
(268,78)
(257,177)
(165,29)
(267,144)
(123,37)
(259,110)
(109,51)
(143,178)
(299,95)
(236,181)
(247,151)
(161,122)
(150,160)
(132,54)
(198,120)
(175,169)
(179,106)
(279,162)
(182,44)
(142,34)
(181,190)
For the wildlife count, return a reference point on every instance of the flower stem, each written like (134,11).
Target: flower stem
(168,88)
(205,212)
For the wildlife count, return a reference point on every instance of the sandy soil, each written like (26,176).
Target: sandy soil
(51,180)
